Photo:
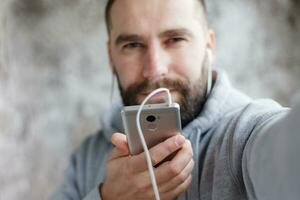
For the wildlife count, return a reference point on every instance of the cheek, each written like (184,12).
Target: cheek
(128,71)
(189,65)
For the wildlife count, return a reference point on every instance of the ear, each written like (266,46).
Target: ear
(211,43)
(109,51)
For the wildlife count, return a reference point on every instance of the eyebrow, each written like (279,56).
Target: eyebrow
(137,38)
(127,38)
(176,32)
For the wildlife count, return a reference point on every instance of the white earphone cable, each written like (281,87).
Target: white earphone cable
(147,154)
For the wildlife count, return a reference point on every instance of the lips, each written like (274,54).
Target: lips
(148,92)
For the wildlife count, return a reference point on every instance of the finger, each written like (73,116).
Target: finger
(158,152)
(171,173)
(173,168)
(174,182)
(171,194)
(144,181)
(178,190)
(142,184)
(120,141)
(116,153)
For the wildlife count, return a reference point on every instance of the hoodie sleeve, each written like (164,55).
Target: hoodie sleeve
(93,195)
(70,189)
(86,171)
(271,159)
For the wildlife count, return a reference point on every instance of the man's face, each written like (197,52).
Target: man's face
(160,44)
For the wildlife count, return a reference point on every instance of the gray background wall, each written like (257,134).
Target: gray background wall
(55,80)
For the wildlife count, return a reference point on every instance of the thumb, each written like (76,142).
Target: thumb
(121,144)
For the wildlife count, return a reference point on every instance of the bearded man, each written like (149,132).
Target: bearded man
(167,43)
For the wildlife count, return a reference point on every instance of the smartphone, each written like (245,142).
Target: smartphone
(158,123)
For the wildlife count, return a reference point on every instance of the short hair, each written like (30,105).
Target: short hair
(110,3)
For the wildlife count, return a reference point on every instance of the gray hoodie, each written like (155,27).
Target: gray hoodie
(218,135)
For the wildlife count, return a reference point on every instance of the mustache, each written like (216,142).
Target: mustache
(146,87)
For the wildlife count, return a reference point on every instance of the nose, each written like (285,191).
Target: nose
(156,62)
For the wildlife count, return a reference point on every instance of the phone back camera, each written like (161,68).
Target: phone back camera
(151,118)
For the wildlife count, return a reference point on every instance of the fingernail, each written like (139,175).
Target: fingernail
(179,140)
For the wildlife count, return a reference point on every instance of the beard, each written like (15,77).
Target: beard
(191,96)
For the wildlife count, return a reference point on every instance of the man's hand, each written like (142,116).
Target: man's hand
(127,176)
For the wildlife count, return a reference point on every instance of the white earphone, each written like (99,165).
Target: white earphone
(209,71)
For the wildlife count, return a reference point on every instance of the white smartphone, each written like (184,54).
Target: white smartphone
(158,122)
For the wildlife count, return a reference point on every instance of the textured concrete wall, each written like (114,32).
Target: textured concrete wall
(55,81)
(258,44)
(54,85)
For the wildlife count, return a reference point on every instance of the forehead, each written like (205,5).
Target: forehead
(154,15)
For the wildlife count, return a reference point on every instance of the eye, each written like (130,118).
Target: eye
(175,40)
(132,45)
